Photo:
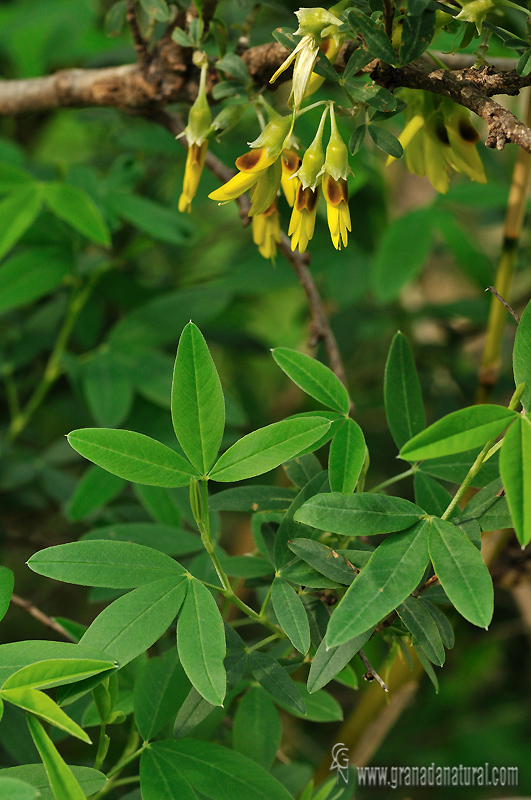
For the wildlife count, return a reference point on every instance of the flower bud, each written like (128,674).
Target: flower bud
(336,161)
(199,117)
(311,169)
(315,22)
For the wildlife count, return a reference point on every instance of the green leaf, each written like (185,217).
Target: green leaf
(266,448)
(446,631)
(417,33)
(290,529)
(214,771)
(158,9)
(385,140)
(314,378)
(430,495)
(393,572)
(346,458)
(421,624)
(56,672)
(168,539)
(234,66)
(459,431)
(115,565)
(131,624)
(197,404)
(90,780)
(201,643)
(15,655)
(395,265)
(256,729)
(150,217)
(515,468)
(291,615)
(160,690)
(375,96)
(404,408)
(74,206)
(252,499)
(192,712)
(327,663)
(7,583)
(132,456)
(17,212)
(44,707)
(13,178)
(15,789)
(334,418)
(489,507)
(276,681)
(323,559)
(108,389)
(29,275)
(320,705)
(160,503)
(462,572)
(427,668)
(115,19)
(522,356)
(376,39)
(362,514)
(161,777)
(62,781)
(96,488)
(302,469)
(356,139)
(455,467)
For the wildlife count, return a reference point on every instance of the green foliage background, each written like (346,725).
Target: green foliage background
(164,268)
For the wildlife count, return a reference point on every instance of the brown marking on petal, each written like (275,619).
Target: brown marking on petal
(249,161)
(312,199)
(325,45)
(335,191)
(441,133)
(271,210)
(291,161)
(467,131)
(301,200)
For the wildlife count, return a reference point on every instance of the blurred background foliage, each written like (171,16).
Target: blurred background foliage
(416,261)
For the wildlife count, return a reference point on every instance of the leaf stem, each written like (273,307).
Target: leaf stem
(472,472)
(103,747)
(394,479)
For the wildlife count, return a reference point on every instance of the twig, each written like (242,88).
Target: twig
(504,303)
(36,613)
(141,48)
(371,674)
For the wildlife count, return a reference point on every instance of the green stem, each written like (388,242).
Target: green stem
(395,479)
(263,643)
(124,761)
(472,472)
(103,746)
(266,601)
(227,590)
(53,367)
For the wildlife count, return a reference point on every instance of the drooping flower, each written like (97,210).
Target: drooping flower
(196,132)
(314,25)
(335,190)
(302,222)
(439,137)
(291,162)
(266,231)
(260,167)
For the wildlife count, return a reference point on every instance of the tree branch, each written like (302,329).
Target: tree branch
(36,613)
(471,88)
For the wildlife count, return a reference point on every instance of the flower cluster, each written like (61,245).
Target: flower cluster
(439,137)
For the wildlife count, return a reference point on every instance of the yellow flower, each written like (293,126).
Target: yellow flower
(266,231)
(196,132)
(291,162)
(302,223)
(195,161)
(314,24)
(335,190)
(439,137)
(337,211)
(260,167)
